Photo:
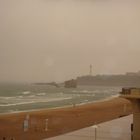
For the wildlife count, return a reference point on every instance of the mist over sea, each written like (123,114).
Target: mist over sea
(55,40)
(22,97)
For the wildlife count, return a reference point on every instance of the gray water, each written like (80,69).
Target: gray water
(19,97)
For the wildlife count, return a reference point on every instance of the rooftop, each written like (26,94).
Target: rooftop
(130,93)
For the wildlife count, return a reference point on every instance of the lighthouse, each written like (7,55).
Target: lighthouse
(90,70)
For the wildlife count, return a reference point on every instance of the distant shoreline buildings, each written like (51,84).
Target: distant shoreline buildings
(128,79)
(70,83)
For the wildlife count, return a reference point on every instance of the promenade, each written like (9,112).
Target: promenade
(118,129)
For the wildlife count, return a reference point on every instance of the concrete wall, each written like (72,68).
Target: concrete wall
(136,122)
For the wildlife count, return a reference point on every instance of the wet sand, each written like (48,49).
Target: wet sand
(52,122)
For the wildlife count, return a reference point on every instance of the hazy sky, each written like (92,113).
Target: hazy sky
(54,40)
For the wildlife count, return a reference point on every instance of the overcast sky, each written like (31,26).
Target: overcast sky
(55,40)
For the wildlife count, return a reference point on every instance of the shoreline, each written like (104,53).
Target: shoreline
(59,107)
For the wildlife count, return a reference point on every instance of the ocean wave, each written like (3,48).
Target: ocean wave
(31,96)
(41,94)
(61,93)
(35,101)
(19,96)
(6,98)
(10,98)
(82,91)
(26,92)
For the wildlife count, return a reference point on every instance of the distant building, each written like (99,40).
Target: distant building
(126,80)
(138,72)
(133,94)
(71,84)
(130,92)
(133,73)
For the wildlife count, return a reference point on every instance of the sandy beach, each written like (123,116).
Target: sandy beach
(53,122)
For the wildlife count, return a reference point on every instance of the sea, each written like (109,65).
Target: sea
(25,97)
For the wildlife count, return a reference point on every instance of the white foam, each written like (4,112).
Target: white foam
(35,101)
(82,91)
(20,96)
(41,94)
(26,92)
(6,98)
(31,96)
